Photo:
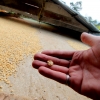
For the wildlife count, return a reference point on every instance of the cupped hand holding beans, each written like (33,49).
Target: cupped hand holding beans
(83,67)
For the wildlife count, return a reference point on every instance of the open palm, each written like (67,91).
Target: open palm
(82,66)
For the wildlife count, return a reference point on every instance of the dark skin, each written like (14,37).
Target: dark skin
(82,66)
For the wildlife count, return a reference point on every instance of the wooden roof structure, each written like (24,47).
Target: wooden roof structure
(49,12)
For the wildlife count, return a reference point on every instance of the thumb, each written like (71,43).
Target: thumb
(89,39)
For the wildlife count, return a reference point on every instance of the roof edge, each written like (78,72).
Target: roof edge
(77,16)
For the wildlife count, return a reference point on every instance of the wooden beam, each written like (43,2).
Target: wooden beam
(51,13)
(30,6)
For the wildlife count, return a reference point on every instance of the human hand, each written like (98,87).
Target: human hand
(82,66)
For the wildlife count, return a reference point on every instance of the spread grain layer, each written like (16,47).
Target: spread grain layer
(19,41)
(14,46)
(77,45)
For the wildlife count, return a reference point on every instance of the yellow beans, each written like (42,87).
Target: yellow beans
(50,63)
(15,42)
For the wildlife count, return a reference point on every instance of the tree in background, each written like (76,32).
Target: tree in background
(98,26)
(76,6)
(94,22)
(89,19)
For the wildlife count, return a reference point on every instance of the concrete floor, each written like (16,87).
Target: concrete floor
(28,82)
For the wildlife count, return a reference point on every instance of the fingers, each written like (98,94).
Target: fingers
(57,61)
(60,54)
(36,64)
(55,75)
(89,39)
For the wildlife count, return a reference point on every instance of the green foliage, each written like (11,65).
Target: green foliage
(94,22)
(89,19)
(98,26)
(76,6)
